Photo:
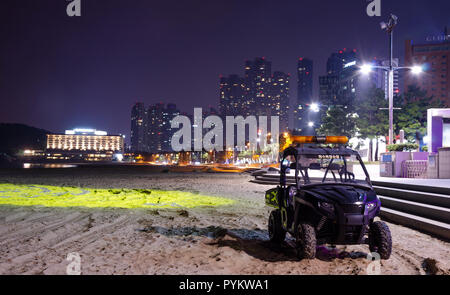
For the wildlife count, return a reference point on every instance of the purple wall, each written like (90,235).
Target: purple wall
(436,133)
(400,157)
(420,156)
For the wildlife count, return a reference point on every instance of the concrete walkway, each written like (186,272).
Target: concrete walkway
(374,173)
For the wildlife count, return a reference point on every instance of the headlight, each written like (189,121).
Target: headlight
(326,206)
(371,206)
(292,192)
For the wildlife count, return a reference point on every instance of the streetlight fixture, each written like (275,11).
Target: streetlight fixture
(416,70)
(311,124)
(314,107)
(367,68)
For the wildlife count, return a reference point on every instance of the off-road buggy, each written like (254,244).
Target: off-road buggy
(326,205)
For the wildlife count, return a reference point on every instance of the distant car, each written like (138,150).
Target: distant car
(327,205)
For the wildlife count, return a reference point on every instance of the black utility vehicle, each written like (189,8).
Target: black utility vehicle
(326,205)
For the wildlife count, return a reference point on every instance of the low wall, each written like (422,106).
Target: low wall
(444,163)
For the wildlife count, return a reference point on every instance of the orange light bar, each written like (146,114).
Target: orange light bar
(337,139)
(304,139)
(320,139)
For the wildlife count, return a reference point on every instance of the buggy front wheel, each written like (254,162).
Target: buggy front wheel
(306,241)
(276,232)
(380,240)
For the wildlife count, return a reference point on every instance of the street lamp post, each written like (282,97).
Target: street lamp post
(389,27)
(366,69)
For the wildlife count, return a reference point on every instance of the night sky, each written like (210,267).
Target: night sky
(58,72)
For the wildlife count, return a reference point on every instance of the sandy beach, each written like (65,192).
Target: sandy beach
(214,240)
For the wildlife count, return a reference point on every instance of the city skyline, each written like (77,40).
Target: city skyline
(75,73)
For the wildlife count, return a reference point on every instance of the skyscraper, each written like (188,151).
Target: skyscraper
(151,129)
(232,90)
(340,85)
(139,122)
(155,127)
(304,92)
(278,100)
(159,127)
(169,113)
(259,93)
(434,56)
(257,85)
(338,61)
(379,77)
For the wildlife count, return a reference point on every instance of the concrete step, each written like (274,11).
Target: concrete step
(419,209)
(436,228)
(413,187)
(263,182)
(415,196)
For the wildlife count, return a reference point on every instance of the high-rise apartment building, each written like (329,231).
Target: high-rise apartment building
(340,86)
(232,94)
(278,100)
(169,113)
(151,128)
(257,85)
(259,93)
(139,121)
(304,92)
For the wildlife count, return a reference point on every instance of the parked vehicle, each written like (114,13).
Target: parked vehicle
(327,204)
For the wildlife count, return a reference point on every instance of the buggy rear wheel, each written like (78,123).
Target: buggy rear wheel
(276,232)
(380,240)
(306,241)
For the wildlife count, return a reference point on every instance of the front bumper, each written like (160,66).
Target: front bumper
(353,226)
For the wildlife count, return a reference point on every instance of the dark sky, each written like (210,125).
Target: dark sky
(58,72)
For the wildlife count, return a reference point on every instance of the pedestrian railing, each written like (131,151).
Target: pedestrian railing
(415,169)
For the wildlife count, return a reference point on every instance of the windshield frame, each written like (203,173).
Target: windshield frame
(315,153)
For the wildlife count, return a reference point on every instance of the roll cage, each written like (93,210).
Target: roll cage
(345,177)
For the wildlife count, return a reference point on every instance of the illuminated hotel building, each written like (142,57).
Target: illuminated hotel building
(84,144)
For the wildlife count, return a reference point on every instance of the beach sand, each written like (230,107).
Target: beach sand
(214,240)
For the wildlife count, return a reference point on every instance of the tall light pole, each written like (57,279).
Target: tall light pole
(366,69)
(389,27)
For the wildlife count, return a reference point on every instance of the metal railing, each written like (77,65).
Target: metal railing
(415,169)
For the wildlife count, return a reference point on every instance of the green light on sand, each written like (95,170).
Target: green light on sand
(56,196)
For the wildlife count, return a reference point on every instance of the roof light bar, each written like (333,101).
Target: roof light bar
(320,139)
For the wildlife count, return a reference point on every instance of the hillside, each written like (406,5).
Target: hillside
(17,137)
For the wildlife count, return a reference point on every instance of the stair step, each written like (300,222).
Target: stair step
(263,182)
(436,228)
(415,196)
(413,187)
(424,210)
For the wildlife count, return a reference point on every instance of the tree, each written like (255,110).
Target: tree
(412,117)
(338,121)
(372,122)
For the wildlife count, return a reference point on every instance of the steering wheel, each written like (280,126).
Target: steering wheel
(351,175)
